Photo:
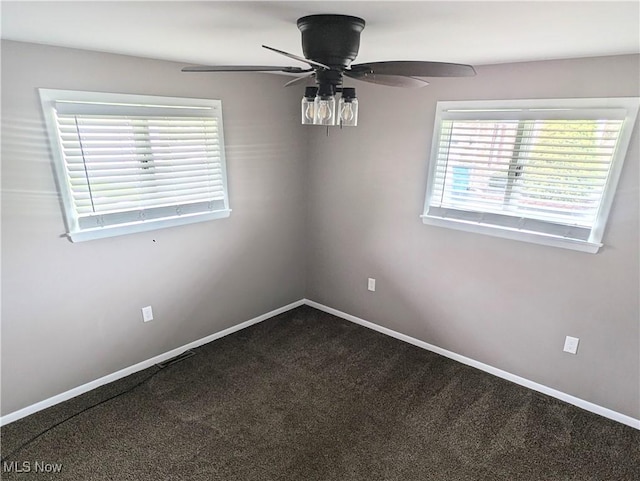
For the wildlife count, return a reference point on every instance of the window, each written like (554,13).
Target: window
(130,163)
(542,171)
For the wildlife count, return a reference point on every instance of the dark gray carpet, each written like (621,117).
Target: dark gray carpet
(307,396)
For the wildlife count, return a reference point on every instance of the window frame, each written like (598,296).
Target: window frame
(524,110)
(76,233)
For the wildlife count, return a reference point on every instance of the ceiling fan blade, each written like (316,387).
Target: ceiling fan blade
(243,68)
(296,57)
(389,80)
(297,80)
(416,69)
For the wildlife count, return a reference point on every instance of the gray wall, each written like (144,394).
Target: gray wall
(311,216)
(71,312)
(502,302)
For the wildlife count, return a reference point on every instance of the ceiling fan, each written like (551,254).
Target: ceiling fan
(329,44)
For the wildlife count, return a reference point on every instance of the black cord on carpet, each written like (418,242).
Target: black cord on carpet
(32,439)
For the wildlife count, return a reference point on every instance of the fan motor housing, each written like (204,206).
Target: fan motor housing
(333,40)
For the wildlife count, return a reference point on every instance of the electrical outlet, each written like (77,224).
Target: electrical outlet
(371,284)
(147,314)
(571,344)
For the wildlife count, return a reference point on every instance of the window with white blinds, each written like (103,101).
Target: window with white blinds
(129,163)
(537,170)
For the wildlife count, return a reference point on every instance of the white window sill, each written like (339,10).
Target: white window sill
(143,226)
(514,234)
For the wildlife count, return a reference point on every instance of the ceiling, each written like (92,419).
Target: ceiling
(474,32)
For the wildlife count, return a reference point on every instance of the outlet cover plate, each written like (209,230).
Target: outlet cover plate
(571,344)
(147,314)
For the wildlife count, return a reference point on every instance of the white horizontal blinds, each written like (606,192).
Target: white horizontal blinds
(543,174)
(126,168)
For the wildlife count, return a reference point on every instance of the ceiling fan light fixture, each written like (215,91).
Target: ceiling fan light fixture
(308,105)
(330,43)
(348,107)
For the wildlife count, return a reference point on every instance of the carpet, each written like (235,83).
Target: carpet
(308,396)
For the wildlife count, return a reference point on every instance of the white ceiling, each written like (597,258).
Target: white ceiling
(210,32)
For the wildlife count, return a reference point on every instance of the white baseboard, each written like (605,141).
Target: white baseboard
(581,403)
(588,406)
(39,406)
